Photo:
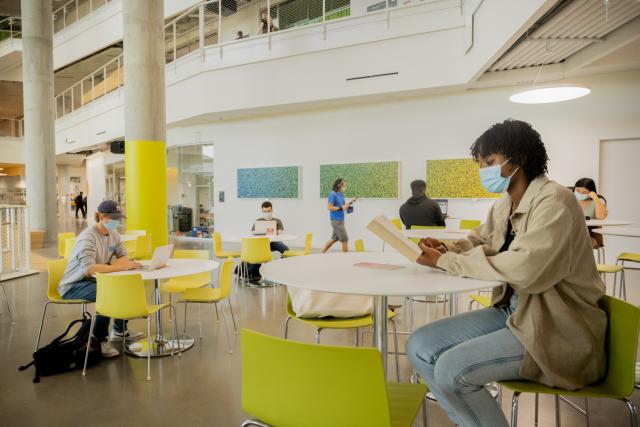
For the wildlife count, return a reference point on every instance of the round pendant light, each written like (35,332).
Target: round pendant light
(545,95)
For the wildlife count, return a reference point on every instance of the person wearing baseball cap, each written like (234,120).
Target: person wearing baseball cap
(99,249)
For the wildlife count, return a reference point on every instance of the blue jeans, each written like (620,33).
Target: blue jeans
(254,269)
(459,355)
(86,289)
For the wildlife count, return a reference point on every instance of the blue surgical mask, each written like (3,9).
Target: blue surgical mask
(492,180)
(112,224)
(581,196)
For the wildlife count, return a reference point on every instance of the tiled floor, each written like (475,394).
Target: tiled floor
(202,387)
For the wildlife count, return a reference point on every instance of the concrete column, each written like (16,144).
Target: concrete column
(39,138)
(145,123)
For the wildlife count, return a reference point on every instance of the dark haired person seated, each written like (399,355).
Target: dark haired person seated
(593,205)
(419,209)
(544,324)
(267,215)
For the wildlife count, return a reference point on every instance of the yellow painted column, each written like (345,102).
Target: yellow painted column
(145,164)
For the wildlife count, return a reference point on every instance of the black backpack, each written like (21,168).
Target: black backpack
(66,354)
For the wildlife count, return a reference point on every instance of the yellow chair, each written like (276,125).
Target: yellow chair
(136,232)
(483,301)
(56,268)
(397,222)
(214,296)
(62,237)
(614,269)
(359,244)
(306,251)
(356,323)
(130,246)
(469,224)
(621,260)
(289,383)
(218,252)
(254,251)
(144,249)
(124,297)
(69,243)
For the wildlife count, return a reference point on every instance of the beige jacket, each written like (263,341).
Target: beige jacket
(550,265)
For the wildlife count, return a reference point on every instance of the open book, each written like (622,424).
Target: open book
(384,229)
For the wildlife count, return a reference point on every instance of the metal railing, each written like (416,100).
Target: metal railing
(10,28)
(217,23)
(11,128)
(73,11)
(14,239)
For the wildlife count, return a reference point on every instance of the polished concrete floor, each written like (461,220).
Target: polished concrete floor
(201,387)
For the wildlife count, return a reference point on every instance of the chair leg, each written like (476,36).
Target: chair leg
(44,311)
(286,327)
(217,314)
(200,319)
(586,410)
(149,348)
(395,347)
(318,335)
(535,410)
(185,319)
(86,354)
(633,414)
(176,338)
(514,409)
(226,329)
(357,337)
(557,411)
(4,291)
(425,412)
(233,318)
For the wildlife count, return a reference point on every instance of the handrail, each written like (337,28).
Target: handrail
(197,43)
(63,9)
(12,21)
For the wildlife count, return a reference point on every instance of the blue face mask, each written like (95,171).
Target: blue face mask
(112,224)
(492,180)
(581,196)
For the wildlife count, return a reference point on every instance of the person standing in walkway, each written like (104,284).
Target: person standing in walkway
(79,201)
(337,207)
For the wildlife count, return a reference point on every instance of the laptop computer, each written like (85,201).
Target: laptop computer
(263,228)
(160,257)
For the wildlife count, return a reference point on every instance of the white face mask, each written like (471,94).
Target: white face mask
(267,215)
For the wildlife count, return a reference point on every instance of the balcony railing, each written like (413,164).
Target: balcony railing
(10,28)
(217,23)
(74,10)
(11,128)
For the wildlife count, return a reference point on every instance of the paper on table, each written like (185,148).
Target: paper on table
(383,228)
(378,266)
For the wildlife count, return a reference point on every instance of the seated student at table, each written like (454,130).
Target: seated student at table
(544,324)
(593,205)
(267,215)
(98,249)
(419,209)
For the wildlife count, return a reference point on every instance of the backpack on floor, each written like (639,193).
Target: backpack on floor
(64,353)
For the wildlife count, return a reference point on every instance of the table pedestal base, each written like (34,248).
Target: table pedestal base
(160,349)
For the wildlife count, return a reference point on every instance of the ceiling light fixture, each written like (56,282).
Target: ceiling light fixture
(546,95)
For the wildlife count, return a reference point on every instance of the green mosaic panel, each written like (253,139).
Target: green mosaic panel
(265,183)
(455,179)
(377,180)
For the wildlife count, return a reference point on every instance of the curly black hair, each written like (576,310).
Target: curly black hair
(519,142)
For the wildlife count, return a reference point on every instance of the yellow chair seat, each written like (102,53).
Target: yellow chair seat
(70,301)
(293,253)
(609,268)
(404,402)
(228,254)
(593,390)
(336,322)
(629,256)
(202,295)
(155,307)
(483,300)
(179,284)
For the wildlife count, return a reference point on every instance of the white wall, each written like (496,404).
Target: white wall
(410,131)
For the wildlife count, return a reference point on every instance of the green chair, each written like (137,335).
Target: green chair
(620,347)
(307,385)
(469,224)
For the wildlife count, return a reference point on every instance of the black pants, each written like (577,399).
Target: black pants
(254,269)
(81,208)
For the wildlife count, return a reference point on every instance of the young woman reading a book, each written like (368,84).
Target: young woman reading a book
(544,324)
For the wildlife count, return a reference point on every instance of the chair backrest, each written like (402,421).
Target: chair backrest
(144,249)
(309,385)
(136,232)
(469,224)
(55,268)
(226,277)
(61,241)
(621,344)
(121,297)
(427,227)
(217,244)
(130,246)
(256,250)
(307,244)
(199,279)
(69,243)
(359,244)
(397,222)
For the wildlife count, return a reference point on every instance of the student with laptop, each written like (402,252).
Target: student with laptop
(419,209)
(99,249)
(262,226)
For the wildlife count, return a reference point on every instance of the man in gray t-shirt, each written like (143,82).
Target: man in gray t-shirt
(98,249)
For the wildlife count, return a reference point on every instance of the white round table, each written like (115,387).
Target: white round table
(273,238)
(338,273)
(606,222)
(436,233)
(619,231)
(174,268)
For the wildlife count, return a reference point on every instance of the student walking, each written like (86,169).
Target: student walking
(337,207)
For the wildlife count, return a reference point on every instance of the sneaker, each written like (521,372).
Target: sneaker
(129,335)
(107,349)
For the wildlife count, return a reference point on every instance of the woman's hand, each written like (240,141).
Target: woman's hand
(434,244)
(593,195)
(429,256)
